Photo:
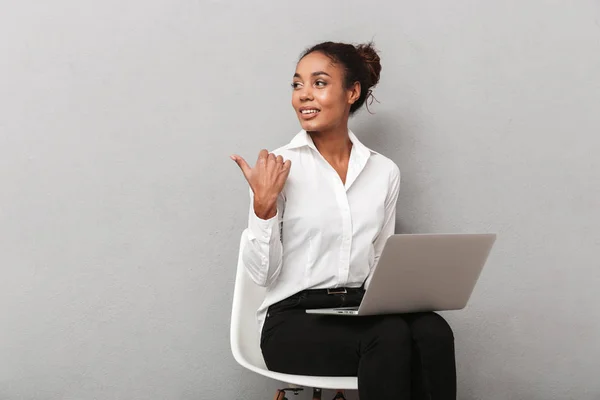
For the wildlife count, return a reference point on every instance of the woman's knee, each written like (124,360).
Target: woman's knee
(431,326)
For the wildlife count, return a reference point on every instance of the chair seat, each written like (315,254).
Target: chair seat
(322,382)
(247,298)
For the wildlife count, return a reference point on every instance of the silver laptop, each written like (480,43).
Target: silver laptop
(422,272)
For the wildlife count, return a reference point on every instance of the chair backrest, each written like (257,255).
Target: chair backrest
(247,297)
(245,345)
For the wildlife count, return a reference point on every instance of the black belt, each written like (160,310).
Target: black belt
(332,291)
(318,298)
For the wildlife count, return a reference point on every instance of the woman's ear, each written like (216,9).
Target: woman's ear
(354,93)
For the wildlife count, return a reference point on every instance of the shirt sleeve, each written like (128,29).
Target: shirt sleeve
(389,223)
(262,255)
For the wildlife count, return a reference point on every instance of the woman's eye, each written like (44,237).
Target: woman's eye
(295,85)
(320,83)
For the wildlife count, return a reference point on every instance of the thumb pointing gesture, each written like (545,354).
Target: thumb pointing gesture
(246,170)
(266,180)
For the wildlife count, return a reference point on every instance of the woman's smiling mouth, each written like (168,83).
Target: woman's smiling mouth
(309,112)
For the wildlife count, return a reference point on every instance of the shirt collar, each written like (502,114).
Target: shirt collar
(303,139)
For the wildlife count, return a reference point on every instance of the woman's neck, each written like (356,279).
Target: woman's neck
(334,145)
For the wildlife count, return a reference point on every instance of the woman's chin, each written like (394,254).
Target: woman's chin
(310,126)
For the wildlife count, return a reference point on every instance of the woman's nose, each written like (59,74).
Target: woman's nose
(306,93)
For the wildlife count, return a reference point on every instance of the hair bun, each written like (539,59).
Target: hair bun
(372,61)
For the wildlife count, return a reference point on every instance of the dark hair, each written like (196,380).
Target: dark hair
(361,63)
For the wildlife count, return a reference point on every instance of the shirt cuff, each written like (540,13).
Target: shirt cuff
(263,229)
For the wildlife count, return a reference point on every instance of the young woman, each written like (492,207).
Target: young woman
(321,210)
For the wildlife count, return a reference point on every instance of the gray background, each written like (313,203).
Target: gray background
(120,211)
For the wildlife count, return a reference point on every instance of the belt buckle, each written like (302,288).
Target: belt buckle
(337,291)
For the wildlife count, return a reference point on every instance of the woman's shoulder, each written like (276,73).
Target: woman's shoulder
(384,164)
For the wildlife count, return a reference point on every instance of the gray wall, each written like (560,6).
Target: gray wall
(120,210)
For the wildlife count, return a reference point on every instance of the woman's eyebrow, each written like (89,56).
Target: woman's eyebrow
(316,73)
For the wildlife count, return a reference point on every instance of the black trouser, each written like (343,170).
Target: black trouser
(400,356)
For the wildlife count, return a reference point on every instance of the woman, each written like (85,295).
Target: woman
(321,210)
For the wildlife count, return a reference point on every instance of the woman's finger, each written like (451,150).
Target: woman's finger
(262,156)
(246,170)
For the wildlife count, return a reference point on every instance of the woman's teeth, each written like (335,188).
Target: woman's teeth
(309,111)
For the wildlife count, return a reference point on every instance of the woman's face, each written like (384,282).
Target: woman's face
(319,97)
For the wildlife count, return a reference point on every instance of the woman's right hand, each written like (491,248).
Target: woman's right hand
(266,180)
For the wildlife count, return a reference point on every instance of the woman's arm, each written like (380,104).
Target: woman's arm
(262,255)
(389,222)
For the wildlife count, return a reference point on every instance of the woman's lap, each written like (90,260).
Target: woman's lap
(310,344)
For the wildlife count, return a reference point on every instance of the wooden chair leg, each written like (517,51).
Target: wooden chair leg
(280,395)
(317,394)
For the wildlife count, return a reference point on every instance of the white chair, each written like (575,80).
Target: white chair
(245,346)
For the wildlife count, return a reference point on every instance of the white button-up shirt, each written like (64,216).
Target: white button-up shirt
(326,234)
